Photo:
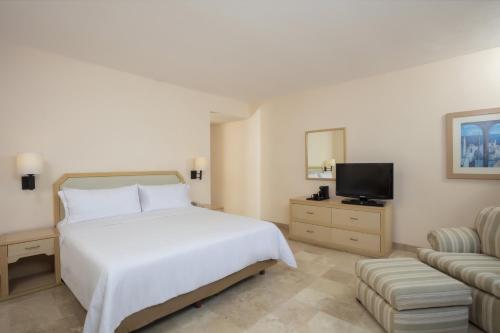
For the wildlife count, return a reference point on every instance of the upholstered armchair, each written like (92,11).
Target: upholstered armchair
(471,255)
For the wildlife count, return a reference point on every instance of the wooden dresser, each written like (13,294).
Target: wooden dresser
(360,229)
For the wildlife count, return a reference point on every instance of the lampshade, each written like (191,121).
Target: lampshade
(200,163)
(29,164)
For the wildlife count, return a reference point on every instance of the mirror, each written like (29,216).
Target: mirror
(324,149)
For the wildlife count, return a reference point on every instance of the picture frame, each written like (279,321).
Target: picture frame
(473,144)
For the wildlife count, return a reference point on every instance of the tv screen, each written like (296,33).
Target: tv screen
(365,180)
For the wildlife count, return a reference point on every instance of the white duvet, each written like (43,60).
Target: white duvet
(118,266)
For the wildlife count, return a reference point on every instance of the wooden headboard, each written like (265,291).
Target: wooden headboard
(101,180)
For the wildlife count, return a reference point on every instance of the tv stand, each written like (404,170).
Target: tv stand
(363,202)
(361,229)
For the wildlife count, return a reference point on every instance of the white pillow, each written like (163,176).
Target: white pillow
(156,197)
(84,205)
(65,205)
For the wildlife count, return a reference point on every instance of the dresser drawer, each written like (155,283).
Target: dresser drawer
(27,249)
(312,232)
(312,214)
(364,221)
(355,239)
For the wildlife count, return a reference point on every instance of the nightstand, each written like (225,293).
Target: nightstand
(212,207)
(29,261)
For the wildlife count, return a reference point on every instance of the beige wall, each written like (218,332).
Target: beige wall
(82,117)
(235,158)
(397,117)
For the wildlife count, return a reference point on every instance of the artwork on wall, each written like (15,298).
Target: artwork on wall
(473,144)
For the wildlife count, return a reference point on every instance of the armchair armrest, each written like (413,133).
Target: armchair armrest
(459,240)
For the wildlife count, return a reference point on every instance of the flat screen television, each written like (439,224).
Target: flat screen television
(364,182)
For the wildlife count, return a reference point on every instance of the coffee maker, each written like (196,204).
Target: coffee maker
(323,194)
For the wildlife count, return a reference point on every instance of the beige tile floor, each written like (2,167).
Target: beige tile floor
(316,297)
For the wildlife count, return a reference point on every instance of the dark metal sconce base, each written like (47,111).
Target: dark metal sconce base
(28,182)
(196,174)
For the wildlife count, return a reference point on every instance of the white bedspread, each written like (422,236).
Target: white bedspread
(118,266)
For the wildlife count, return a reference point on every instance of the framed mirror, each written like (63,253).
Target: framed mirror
(324,149)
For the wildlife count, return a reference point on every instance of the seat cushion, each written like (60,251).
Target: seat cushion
(488,228)
(477,270)
(407,283)
(452,319)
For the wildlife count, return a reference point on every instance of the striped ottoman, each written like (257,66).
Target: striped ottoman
(405,295)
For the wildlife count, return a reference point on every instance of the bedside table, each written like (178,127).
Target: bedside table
(32,247)
(212,207)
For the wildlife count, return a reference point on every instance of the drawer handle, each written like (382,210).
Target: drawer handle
(310,213)
(32,247)
(354,218)
(310,231)
(353,239)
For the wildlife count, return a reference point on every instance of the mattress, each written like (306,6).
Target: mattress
(120,265)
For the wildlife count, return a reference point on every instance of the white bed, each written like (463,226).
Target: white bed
(120,265)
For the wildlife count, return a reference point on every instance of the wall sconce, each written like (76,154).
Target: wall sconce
(328,165)
(29,165)
(200,163)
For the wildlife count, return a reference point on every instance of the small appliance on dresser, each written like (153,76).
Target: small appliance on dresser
(323,194)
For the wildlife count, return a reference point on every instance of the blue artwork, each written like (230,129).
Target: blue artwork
(480,144)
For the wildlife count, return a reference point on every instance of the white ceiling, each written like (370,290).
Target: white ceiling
(254,50)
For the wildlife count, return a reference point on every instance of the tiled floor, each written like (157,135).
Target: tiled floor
(317,297)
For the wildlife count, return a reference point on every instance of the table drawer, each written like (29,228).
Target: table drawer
(365,221)
(312,232)
(312,214)
(355,239)
(27,249)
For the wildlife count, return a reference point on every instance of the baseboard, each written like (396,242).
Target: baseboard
(404,247)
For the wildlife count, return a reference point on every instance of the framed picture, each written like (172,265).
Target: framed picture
(473,144)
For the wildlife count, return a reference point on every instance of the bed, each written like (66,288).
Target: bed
(130,270)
